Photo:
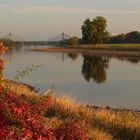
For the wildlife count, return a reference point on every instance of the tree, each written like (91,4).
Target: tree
(95,31)
(74,41)
(86,31)
(133,37)
(119,39)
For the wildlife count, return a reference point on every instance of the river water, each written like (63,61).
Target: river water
(101,81)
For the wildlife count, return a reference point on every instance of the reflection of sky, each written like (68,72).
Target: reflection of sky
(42,19)
(121,88)
(117,71)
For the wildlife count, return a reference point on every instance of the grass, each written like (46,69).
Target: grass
(107,123)
(98,123)
(119,50)
(113,46)
(19,88)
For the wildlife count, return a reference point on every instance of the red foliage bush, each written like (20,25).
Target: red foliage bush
(3,49)
(21,120)
(70,131)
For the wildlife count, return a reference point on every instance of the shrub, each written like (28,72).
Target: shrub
(70,131)
(3,49)
(74,41)
(21,119)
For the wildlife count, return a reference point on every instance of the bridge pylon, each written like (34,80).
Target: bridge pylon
(59,38)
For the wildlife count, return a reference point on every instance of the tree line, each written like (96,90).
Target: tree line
(95,32)
(132,37)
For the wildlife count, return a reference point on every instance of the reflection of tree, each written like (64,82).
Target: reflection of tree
(133,60)
(73,56)
(95,68)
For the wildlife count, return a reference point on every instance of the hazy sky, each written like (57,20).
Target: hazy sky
(43,19)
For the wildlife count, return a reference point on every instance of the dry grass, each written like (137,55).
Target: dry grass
(113,46)
(19,88)
(99,123)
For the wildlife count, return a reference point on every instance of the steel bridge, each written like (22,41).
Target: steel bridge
(62,38)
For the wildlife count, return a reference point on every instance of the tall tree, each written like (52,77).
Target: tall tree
(95,31)
(86,31)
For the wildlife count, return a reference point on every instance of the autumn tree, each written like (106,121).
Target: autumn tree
(95,31)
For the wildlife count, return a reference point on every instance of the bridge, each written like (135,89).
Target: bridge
(62,38)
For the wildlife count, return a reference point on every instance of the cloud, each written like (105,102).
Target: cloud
(70,10)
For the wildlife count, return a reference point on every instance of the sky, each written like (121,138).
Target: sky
(44,19)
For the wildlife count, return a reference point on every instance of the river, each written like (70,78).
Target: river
(101,81)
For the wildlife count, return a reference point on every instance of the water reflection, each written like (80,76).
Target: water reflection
(14,50)
(133,60)
(73,56)
(94,67)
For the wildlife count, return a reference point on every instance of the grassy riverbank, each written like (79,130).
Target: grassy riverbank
(107,47)
(122,47)
(112,46)
(119,50)
(63,113)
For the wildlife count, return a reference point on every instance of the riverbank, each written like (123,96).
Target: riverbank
(116,50)
(123,47)
(61,113)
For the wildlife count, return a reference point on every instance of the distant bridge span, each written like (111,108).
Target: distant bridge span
(62,38)
(30,43)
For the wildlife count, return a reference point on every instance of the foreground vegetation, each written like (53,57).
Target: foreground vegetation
(25,114)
